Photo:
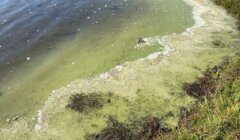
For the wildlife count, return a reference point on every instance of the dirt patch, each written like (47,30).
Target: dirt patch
(215,81)
(211,81)
(152,128)
(114,131)
(145,129)
(185,116)
(204,87)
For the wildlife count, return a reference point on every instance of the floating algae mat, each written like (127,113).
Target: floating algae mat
(103,41)
(150,110)
(139,99)
(86,114)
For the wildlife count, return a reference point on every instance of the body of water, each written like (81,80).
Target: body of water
(45,44)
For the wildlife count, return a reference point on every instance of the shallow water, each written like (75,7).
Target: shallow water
(64,42)
(25,23)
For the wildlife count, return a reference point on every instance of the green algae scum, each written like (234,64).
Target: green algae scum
(128,75)
(96,49)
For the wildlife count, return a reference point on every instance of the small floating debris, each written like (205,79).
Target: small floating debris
(28,58)
(8,120)
(141,41)
(16,118)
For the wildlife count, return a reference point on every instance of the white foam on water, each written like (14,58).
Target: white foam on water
(198,10)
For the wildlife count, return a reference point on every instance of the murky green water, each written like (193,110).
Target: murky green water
(107,42)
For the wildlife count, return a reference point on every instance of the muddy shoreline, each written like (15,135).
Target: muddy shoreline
(91,84)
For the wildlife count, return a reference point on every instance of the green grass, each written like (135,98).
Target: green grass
(232,6)
(217,117)
(217,114)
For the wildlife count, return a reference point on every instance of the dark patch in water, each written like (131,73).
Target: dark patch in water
(87,102)
(84,102)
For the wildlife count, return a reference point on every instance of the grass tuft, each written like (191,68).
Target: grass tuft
(217,117)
